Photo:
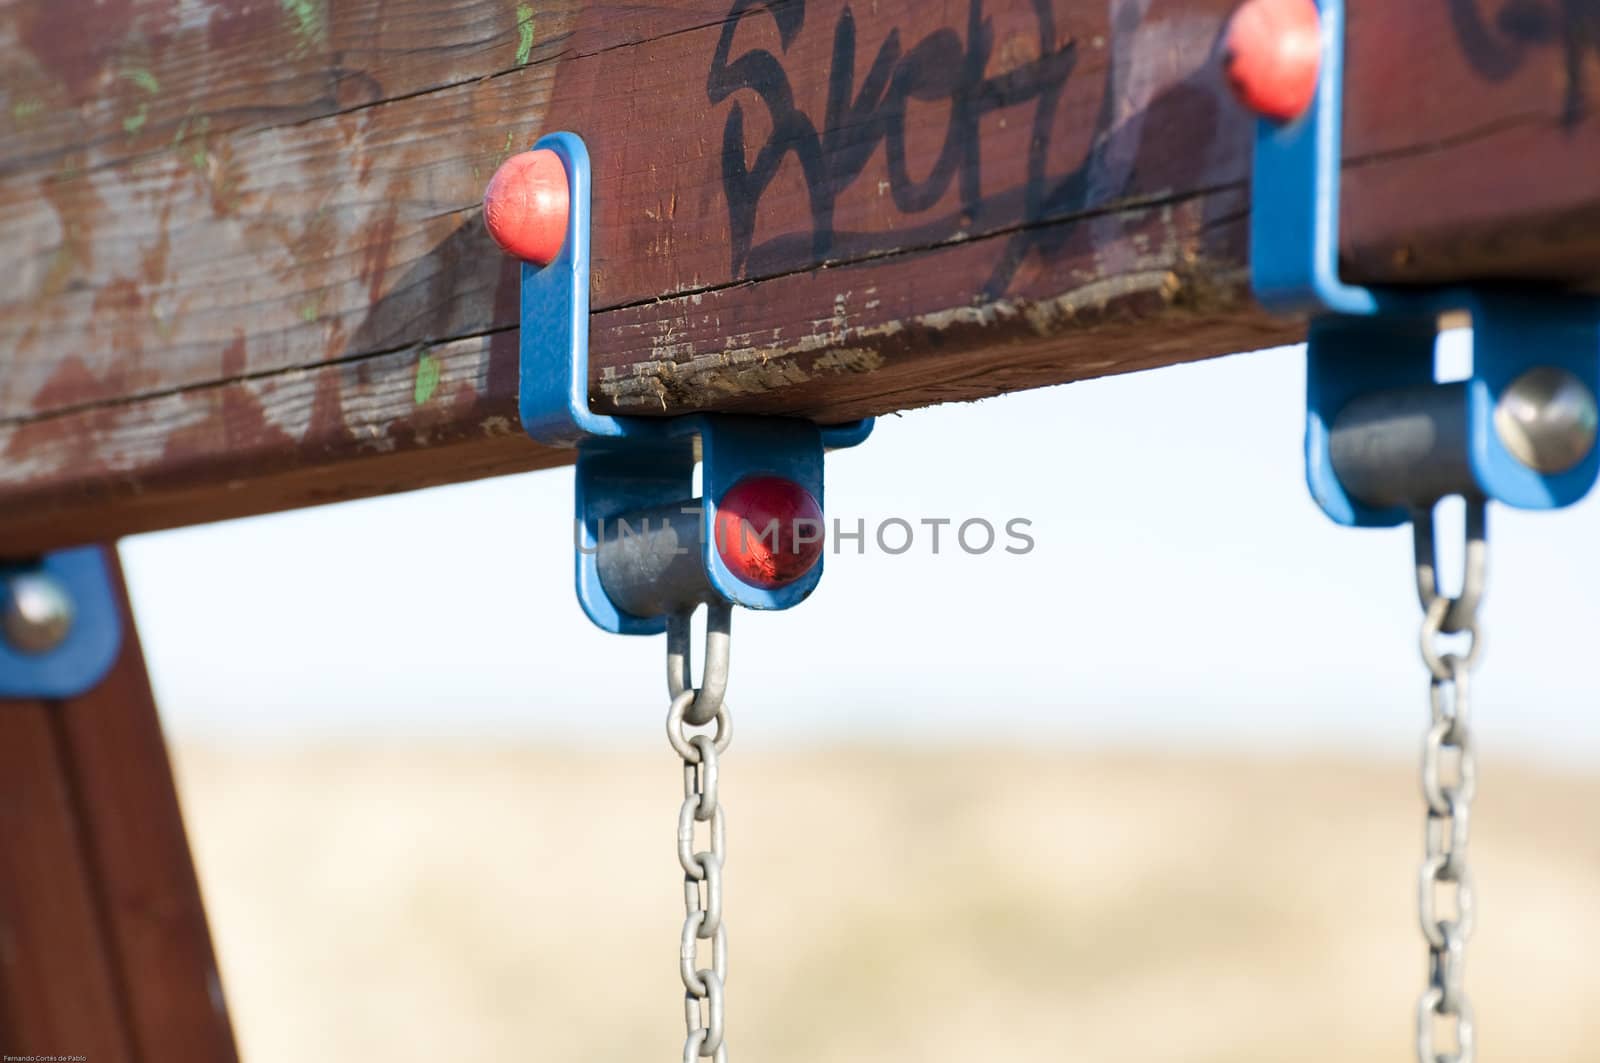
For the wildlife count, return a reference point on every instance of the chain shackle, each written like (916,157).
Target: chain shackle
(707,699)
(1461,613)
(1449,783)
(702,868)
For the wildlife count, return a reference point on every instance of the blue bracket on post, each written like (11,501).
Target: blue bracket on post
(633,464)
(85,653)
(1364,341)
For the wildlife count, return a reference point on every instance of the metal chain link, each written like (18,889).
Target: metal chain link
(1449,783)
(702,869)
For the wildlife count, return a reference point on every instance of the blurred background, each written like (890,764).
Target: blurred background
(1147,790)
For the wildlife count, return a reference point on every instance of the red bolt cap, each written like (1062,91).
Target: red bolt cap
(525,206)
(1272,55)
(769,531)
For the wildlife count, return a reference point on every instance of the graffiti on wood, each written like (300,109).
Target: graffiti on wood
(943,66)
(957,69)
(1497,45)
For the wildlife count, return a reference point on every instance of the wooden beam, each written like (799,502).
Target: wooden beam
(250,272)
(104,949)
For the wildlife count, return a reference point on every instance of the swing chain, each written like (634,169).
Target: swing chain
(1449,782)
(702,869)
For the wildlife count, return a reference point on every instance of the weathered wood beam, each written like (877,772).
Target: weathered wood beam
(250,272)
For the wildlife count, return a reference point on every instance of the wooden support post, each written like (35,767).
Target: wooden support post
(104,949)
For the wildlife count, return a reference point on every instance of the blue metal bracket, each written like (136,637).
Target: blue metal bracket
(629,464)
(1365,340)
(90,647)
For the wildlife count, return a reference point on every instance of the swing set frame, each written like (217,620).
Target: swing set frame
(252,277)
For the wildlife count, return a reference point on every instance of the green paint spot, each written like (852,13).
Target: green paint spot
(309,21)
(427,378)
(506,150)
(524,32)
(25,109)
(135,121)
(309,312)
(193,131)
(144,79)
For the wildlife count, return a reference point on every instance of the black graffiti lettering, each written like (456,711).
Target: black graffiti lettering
(1498,49)
(792,131)
(1493,56)
(944,67)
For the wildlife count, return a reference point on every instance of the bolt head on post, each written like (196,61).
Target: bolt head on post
(526,204)
(769,531)
(1272,55)
(37,611)
(1547,419)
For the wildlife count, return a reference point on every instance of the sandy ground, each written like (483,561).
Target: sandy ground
(430,903)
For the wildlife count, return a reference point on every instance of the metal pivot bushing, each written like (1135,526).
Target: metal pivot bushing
(1384,436)
(647,546)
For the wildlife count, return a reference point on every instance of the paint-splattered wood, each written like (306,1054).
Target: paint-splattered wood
(104,950)
(142,77)
(250,271)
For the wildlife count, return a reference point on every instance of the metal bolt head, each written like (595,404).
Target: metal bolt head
(38,611)
(1547,419)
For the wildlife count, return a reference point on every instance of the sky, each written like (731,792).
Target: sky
(1182,592)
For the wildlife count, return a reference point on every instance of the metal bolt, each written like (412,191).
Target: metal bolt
(38,611)
(1547,419)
